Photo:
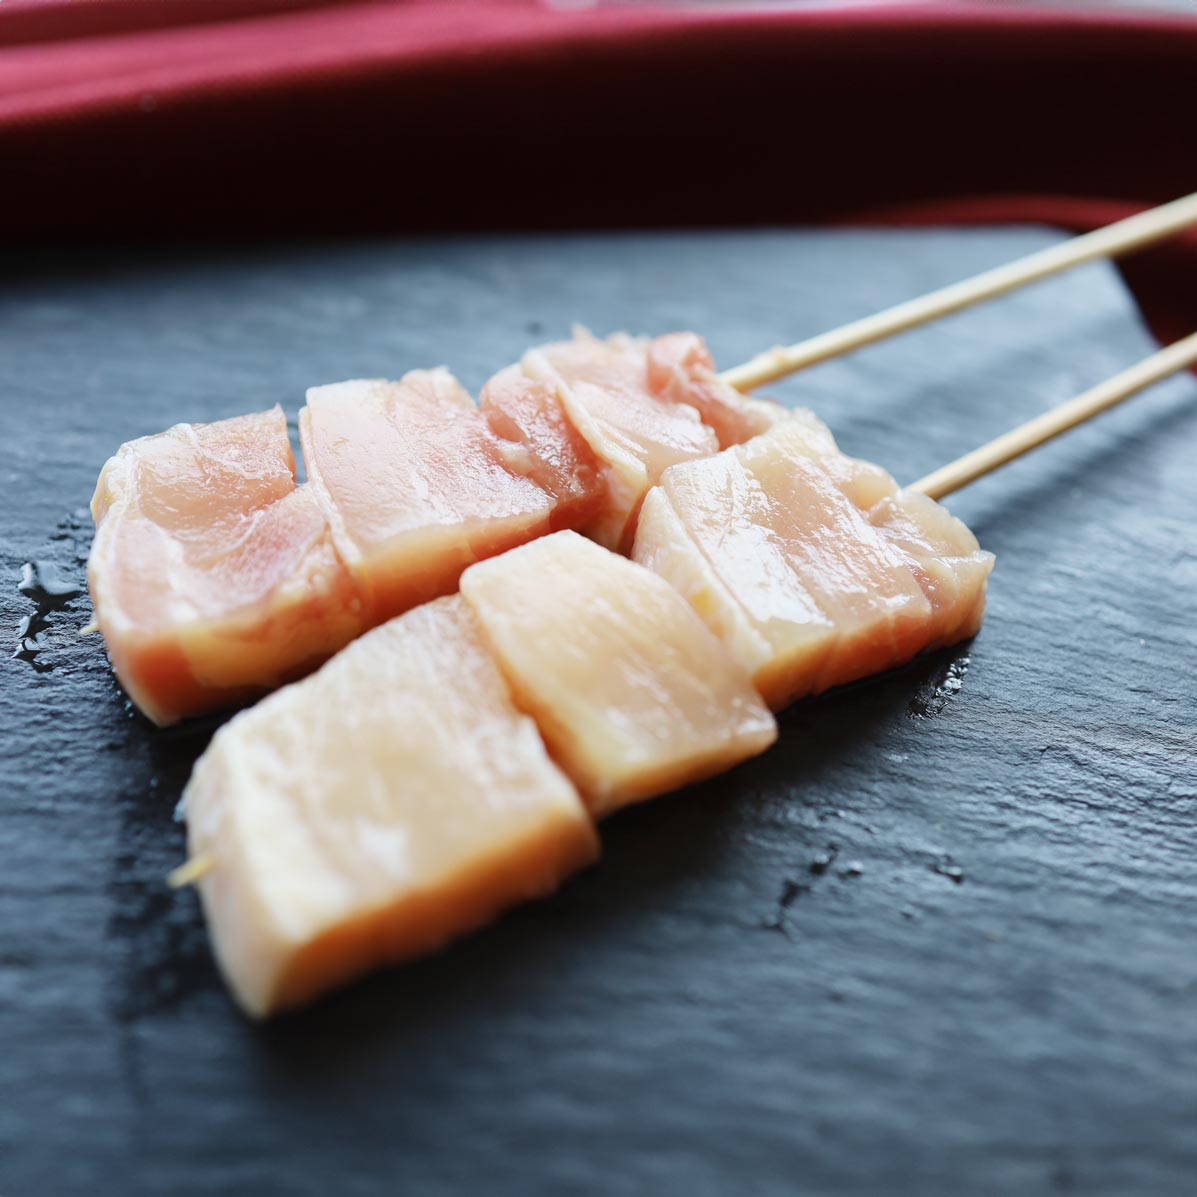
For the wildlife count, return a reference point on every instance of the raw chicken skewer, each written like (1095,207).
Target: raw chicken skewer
(451,762)
(215,578)
(754,539)
(1122,237)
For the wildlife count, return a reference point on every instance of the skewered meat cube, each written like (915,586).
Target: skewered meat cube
(417,485)
(679,368)
(389,802)
(634,431)
(812,567)
(213,577)
(633,695)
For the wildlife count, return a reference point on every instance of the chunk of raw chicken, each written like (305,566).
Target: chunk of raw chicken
(417,484)
(939,549)
(213,577)
(636,433)
(640,405)
(632,693)
(680,369)
(943,555)
(388,803)
(217,579)
(538,440)
(813,568)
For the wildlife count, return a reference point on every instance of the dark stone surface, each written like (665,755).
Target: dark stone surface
(940,939)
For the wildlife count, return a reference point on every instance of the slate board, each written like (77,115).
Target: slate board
(991,988)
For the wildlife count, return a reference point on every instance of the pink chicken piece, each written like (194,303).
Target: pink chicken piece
(540,442)
(603,386)
(813,568)
(213,577)
(939,549)
(943,555)
(418,483)
(680,369)
(639,406)
(211,548)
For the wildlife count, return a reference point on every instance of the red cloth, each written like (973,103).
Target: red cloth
(252,117)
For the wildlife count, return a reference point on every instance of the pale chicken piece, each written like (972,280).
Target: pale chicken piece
(635,433)
(416,484)
(680,369)
(770,627)
(388,803)
(951,567)
(857,578)
(864,482)
(939,549)
(632,693)
(711,531)
(539,441)
(805,588)
(213,578)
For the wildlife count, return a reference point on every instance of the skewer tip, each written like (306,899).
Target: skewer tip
(191,871)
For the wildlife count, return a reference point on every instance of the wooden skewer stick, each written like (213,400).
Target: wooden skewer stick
(1059,419)
(191,871)
(1118,238)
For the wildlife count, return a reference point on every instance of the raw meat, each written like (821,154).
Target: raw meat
(213,577)
(945,558)
(216,578)
(680,369)
(938,548)
(417,485)
(813,568)
(644,405)
(538,441)
(603,386)
(632,693)
(386,804)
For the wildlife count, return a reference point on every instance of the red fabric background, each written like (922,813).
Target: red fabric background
(264,117)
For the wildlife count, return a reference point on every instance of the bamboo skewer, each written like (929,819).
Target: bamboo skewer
(1085,406)
(1122,237)
(193,869)
(963,470)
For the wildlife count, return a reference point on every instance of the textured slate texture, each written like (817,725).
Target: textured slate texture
(939,940)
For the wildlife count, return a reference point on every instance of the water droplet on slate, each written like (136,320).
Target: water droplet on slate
(41,583)
(824,860)
(951,871)
(933,697)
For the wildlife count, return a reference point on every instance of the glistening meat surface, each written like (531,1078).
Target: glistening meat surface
(216,579)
